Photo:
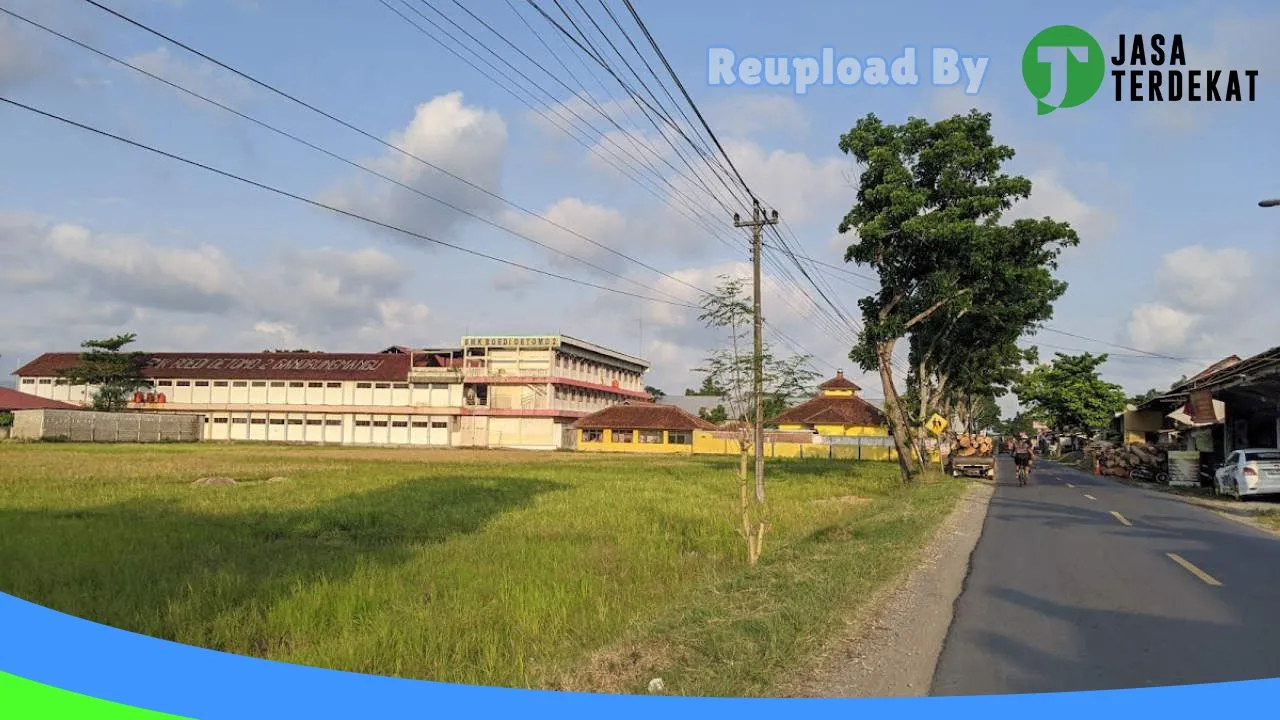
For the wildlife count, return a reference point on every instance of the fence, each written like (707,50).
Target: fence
(87,426)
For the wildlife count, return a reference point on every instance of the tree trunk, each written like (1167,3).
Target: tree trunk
(893,411)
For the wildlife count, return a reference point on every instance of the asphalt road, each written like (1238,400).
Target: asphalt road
(1073,587)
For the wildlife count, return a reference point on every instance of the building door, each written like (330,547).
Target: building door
(439,432)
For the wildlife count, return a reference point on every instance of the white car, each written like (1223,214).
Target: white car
(1252,471)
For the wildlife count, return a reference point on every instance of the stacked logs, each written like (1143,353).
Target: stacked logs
(970,445)
(1122,461)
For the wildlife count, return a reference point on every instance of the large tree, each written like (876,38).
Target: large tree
(952,276)
(1070,394)
(112,374)
(730,368)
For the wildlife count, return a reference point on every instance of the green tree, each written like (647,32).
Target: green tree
(1145,397)
(1069,393)
(927,218)
(708,387)
(112,374)
(716,415)
(654,392)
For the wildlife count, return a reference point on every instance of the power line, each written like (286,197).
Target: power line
(369,135)
(324,206)
(1116,345)
(331,154)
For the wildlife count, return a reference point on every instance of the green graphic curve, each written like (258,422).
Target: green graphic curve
(22,699)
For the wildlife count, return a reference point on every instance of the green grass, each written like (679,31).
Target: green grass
(500,568)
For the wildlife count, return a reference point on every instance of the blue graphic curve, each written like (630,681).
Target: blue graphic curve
(92,659)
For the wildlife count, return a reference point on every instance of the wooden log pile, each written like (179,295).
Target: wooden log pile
(1122,461)
(971,445)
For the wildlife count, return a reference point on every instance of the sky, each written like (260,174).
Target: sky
(98,238)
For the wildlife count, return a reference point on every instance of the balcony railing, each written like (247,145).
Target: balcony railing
(434,374)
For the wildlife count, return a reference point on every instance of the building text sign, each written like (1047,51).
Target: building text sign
(548,341)
(292,364)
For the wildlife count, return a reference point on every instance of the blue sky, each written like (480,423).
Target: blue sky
(97,238)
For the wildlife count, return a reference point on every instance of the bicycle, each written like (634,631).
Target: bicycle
(1024,472)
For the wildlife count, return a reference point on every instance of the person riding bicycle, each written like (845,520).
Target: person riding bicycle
(1023,452)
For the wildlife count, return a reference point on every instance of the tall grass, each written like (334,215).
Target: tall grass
(487,567)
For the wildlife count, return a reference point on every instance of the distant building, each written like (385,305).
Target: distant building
(491,391)
(835,410)
(644,428)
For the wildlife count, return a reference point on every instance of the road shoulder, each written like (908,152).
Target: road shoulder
(893,649)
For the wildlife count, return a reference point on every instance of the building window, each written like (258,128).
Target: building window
(315,384)
(277,383)
(239,421)
(333,423)
(219,383)
(363,423)
(28,381)
(421,424)
(239,383)
(295,422)
(363,386)
(401,386)
(220,421)
(379,423)
(439,425)
(651,437)
(183,383)
(202,383)
(399,424)
(592,436)
(275,421)
(333,385)
(314,423)
(623,436)
(679,438)
(297,384)
(164,383)
(383,386)
(259,383)
(258,421)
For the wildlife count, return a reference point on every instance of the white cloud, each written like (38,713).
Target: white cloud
(73,283)
(607,227)
(1206,280)
(1155,327)
(466,141)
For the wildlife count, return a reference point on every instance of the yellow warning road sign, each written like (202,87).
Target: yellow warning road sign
(937,424)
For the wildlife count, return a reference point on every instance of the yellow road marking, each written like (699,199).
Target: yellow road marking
(1123,520)
(1090,496)
(1206,577)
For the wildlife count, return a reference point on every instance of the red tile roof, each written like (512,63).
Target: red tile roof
(645,416)
(248,366)
(824,410)
(13,400)
(839,382)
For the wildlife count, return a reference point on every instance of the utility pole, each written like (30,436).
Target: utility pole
(757,223)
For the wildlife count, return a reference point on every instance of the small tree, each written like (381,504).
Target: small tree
(729,369)
(113,375)
(654,392)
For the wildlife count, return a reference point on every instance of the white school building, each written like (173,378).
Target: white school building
(491,391)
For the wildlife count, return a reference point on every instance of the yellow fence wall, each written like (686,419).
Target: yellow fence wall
(708,443)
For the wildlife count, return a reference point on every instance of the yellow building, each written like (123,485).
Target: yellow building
(640,428)
(835,411)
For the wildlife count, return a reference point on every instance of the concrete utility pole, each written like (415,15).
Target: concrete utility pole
(757,223)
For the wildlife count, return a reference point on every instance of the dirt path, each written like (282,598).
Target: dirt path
(893,649)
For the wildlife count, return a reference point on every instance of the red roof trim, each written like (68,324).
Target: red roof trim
(11,400)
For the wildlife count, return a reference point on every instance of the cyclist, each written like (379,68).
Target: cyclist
(1022,456)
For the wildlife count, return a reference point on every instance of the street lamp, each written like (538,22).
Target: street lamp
(1273,202)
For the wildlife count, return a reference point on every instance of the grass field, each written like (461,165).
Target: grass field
(554,570)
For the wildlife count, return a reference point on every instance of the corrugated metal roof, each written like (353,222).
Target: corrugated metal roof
(247,366)
(643,417)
